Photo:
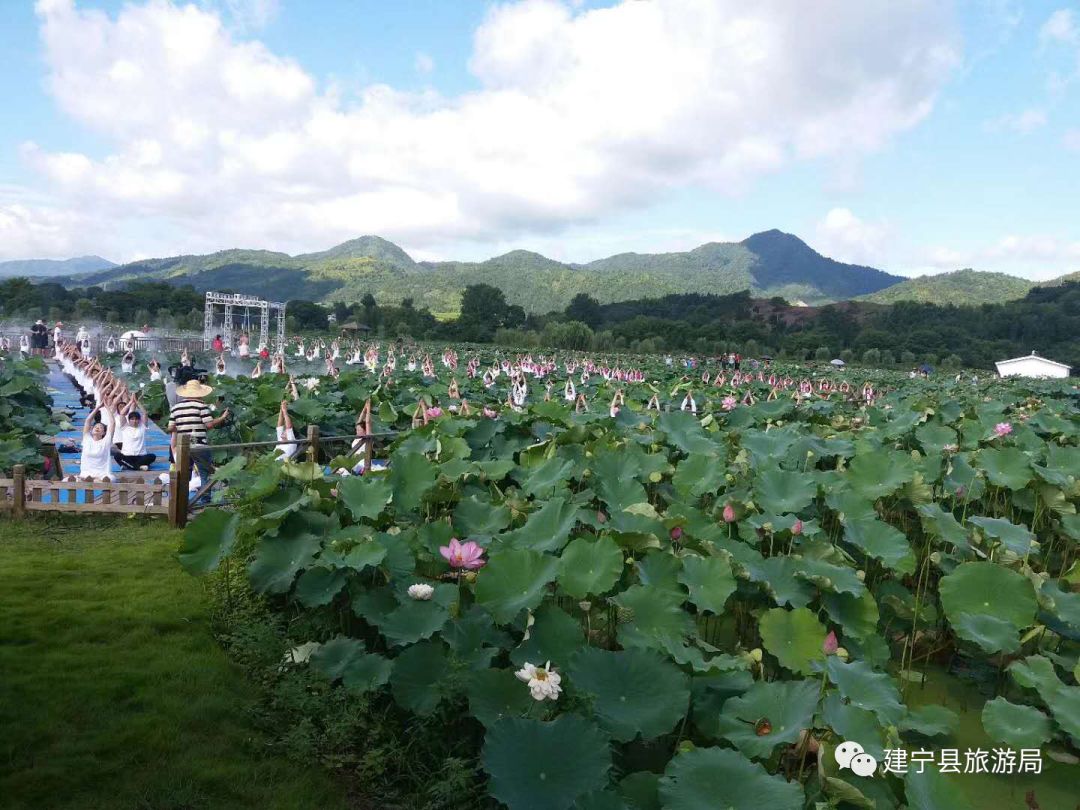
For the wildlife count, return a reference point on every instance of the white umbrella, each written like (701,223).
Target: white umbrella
(838,362)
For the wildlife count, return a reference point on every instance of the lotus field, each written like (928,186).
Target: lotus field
(669,609)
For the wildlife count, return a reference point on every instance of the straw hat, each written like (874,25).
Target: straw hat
(193,389)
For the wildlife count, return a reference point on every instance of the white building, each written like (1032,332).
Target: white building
(1031,366)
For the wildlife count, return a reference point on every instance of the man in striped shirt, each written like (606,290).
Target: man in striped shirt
(191,416)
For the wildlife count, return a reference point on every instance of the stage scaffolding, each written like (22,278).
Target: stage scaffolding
(227,305)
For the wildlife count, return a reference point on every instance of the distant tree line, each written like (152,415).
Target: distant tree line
(906,333)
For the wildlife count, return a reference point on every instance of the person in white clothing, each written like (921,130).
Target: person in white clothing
(96,460)
(131,454)
(285,434)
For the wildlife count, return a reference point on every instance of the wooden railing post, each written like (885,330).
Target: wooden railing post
(19,492)
(313,443)
(173,485)
(183,478)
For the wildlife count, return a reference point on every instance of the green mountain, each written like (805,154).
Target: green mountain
(958,287)
(767,264)
(51,268)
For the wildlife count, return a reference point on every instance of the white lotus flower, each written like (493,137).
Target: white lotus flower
(311,382)
(543,681)
(421,591)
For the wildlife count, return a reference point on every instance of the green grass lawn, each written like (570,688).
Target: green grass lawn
(113,693)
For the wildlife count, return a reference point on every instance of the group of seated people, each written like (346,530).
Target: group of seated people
(115,430)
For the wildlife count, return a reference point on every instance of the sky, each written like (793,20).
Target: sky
(918,137)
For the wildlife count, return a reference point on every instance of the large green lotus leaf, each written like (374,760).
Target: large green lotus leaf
(613,479)
(780,491)
(852,723)
(495,694)
(1015,725)
(346,659)
(544,479)
(648,617)
(420,674)
(1007,467)
(930,721)
(590,566)
(546,529)
(1065,605)
(411,475)
(1037,672)
(660,570)
(976,592)
(931,790)
(709,580)
(634,691)
(415,619)
(208,539)
(862,687)
(777,575)
(365,495)
(857,615)
(934,436)
(711,778)
(767,447)
(554,636)
(882,542)
(601,799)
(1016,539)
(279,559)
(875,475)
(474,638)
(366,553)
(963,481)
(821,448)
(476,517)
(319,585)
(1070,526)
(850,505)
(795,637)
(545,766)
(684,431)
(514,580)
(939,523)
(829,577)
(697,475)
(788,706)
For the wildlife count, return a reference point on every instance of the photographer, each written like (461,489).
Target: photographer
(192,416)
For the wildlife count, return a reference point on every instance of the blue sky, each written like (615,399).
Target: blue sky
(917,137)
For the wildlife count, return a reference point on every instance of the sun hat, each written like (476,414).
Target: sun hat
(193,389)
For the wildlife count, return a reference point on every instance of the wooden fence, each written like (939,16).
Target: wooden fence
(19,495)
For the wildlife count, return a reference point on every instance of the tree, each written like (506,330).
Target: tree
(371,310)
(872,357)
(822,353)
(586,309)
(483,310)
(307,315)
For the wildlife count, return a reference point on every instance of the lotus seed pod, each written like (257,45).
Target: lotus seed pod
(842,653)
(756,654)
(625,614)
(585,605)
(861,575)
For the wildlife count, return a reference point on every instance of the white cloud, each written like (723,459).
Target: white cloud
(424,63)
(578,115)
(1023,122)
(843,236)
(1037,257)
(1061,26)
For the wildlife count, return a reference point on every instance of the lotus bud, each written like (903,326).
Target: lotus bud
(601,517)
(830,645)
(676,533)
(729,513)
(797,527)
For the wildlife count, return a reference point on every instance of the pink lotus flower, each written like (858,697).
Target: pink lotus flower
(729,513)
(797,527)
(676,532)
(463,555)
(830,645)
(728,403)
(489,412)
(601,517)
(1002,429)
(434,413)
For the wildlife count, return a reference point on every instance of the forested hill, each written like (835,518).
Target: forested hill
(51,268)
(959,287)
(767,264)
